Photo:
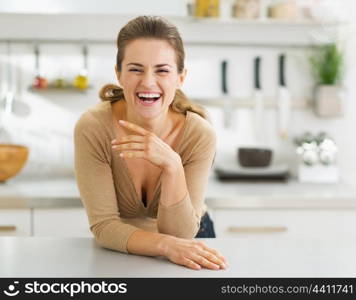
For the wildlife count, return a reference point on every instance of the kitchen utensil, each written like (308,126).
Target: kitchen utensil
(3,83)
(225,92)
(254,157)
(9,93)
(13,88)
(39,82)
(258,99)
(19,107)
(284,99)
(81,82)
(12,160)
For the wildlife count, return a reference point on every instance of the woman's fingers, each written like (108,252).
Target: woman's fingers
(193,254)
(214,252)
(213,258)
(202,261)
(132,154)
(133,127)
(129,146)
(190,264)
(128,139)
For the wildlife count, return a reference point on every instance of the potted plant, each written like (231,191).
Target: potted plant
(328,66)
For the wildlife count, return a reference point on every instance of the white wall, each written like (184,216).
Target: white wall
(48,129)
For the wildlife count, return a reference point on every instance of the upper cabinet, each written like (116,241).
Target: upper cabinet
(121,7)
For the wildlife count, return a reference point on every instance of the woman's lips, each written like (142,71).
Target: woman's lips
(148,102)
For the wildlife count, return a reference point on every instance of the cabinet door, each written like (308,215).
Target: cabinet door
(312,223)
(61,222)
(15,222)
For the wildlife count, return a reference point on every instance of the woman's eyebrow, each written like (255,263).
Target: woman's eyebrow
(157,66)
(163,65)
(135,64)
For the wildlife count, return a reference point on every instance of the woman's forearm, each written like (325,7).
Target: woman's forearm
(146,243)
(190,253)
(176,215)
(173,183)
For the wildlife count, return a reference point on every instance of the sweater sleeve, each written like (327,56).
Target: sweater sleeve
(183,218)
(96,186)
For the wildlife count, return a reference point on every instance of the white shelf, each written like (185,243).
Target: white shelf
(102,29)
(93,7)
(249,103)
(262,22)
(52,89)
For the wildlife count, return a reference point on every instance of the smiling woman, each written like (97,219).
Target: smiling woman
(143,155)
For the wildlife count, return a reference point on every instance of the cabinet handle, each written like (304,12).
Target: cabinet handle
(7,228)
(257,229)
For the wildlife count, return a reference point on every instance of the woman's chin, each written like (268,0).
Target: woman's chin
(150,115)
(149,112)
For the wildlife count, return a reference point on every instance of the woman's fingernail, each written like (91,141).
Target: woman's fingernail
(113,147)
(113,141)
(121,121)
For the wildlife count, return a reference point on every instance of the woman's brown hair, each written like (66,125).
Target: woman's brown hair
(155,28)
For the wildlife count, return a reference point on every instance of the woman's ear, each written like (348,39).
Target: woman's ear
(181,78)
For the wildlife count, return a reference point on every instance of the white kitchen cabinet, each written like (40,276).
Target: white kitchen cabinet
(61,222)
(321,223)
(113,7)
(15,222)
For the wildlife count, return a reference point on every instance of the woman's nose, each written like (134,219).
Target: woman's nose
(148,79)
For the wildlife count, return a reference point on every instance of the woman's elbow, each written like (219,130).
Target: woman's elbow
(97,232)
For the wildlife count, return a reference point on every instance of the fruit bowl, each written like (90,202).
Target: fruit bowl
(12,160)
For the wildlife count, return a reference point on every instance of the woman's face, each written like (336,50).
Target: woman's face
(149,77)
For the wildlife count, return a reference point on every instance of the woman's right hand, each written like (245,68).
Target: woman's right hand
(192,254)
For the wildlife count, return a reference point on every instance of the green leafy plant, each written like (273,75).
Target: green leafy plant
(327,64)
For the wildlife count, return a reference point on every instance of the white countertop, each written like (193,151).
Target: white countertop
(63,192)
(53,192)
(290,194)
(247,257)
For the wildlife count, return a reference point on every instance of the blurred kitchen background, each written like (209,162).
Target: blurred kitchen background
(276,76)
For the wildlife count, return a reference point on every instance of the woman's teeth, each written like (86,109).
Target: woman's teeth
(149,98)
(148,95)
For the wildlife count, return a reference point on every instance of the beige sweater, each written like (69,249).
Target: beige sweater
(108,192)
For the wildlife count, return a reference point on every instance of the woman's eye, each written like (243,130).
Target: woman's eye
(135,70)
(163,71)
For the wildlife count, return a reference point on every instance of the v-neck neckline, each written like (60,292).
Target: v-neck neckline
(123,162)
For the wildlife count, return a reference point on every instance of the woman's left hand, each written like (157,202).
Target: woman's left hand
(145,145)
